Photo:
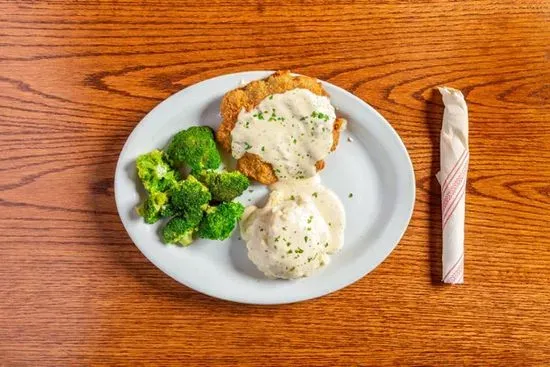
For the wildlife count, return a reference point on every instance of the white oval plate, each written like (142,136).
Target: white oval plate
(375,167)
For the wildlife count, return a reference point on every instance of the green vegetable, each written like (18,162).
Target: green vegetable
(187,201)
(219,221)
(155,173)
(196,148)
(193,216)
(178,231)
(156,206)
(189,195)
(224,186)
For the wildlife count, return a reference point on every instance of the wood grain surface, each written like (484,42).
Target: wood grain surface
(76,77)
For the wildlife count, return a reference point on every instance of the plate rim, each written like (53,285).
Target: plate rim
(256,74)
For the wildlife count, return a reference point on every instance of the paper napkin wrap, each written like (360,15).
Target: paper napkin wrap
(454,158)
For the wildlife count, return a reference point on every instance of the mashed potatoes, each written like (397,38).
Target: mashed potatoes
(292,236)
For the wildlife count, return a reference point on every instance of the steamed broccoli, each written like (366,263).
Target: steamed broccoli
(195,147)
(156,206)
(224,186)
(193,215)
(178,231)
(189,195)
(155,172)
(219,221)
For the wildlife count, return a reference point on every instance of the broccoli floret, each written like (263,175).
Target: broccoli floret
(168,210)
(195,147)
(156,206)
(219,221)
(155,172)
(178,231)
(224,186)
(189,195)
(193,215)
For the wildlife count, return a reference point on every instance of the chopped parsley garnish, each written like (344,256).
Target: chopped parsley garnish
(310,219)
(273,116)
(277,238)
(319,115)
(263,149)
(308,228)
(261,115)
(306,238)
(326,244)
(292,197)
(289,252)
(314,194)
(247,146)
(298,250)
(292,269)
(271,96)
(288,244)
(284,228)
(350,195)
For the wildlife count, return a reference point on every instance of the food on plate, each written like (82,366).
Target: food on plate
(190,194)
(155,172)
(280,127)
(293,234)
(219,221)
(178,231)
(196,208)
(156,206)
(224,186)
(280,130)
(194,147)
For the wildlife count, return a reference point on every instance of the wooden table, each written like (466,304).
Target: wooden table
(76,77)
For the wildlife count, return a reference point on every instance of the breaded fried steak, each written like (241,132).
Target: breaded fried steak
(248,97)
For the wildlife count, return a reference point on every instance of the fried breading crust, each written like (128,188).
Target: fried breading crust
(249,96)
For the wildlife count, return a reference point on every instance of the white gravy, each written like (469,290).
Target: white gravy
(326,201)
(291,130)
(303,221)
